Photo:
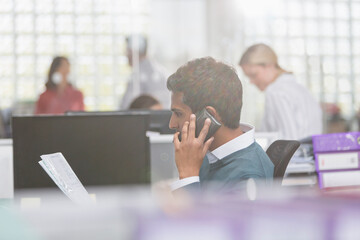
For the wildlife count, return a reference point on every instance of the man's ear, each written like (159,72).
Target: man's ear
(214,113)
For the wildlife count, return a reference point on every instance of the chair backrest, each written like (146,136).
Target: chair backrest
(280,153)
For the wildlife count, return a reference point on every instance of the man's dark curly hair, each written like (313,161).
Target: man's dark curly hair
(207,82)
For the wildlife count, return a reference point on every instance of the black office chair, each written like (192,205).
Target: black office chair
(280,153)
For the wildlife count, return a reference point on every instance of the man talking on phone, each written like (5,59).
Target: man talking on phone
(213,151)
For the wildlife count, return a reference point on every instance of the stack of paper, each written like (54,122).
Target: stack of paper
(301,168)
(299,180)
(64,177)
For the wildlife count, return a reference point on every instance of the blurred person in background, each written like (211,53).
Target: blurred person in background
(60,96)
(290,109)
(147,77)
(335,122)
(145,102)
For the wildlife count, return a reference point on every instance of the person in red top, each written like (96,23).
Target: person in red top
(60,96)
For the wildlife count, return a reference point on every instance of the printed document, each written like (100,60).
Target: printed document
(56,166)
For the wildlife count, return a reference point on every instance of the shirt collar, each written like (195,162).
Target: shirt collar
(234,145)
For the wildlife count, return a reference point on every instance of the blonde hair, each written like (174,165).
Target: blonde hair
(259,54)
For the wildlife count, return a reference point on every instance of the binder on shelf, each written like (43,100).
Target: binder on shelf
(334,142)
(337,161)
(336,179)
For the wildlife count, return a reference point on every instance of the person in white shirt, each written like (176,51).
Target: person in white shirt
(233,156)
(290,109)
(147,77)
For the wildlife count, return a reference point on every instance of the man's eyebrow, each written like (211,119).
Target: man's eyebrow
(175,110)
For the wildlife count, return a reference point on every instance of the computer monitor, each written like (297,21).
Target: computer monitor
(101,149)
(158,119)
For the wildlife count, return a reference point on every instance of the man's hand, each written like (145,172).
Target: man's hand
(190,152)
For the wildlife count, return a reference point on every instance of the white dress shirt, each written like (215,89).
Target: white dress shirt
(150,79)
(234,145)
(290,109)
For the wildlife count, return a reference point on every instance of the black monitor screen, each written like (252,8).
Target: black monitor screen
(158,119)
(101,149)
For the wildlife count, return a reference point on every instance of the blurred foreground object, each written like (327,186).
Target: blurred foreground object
(136,213)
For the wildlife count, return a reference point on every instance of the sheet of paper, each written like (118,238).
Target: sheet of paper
(51,176)
(64,177)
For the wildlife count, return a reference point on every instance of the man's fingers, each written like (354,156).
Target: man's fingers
(204,130)
(184,131)
(192,126)
(207,145)
(176,140)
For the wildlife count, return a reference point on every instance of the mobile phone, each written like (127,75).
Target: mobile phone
(201,116)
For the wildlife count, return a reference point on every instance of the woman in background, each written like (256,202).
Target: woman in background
(290,109)
(60,96)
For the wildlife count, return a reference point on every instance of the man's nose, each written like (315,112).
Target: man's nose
(172,124)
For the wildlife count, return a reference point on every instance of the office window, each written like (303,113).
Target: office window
(91,33)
